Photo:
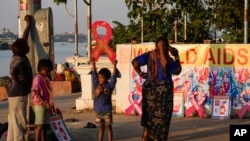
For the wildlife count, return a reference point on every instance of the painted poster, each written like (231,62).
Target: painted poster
(215,70)
(59,128)
(135,96)
(221,107)
(178,109)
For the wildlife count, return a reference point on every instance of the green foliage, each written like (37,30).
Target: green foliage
(155,16)
(204,18)
(228,16)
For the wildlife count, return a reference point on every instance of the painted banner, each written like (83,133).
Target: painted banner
(216,70)
(136,81)
(208,70)
(221,107)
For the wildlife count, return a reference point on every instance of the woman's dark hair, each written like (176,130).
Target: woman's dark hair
(105,73)
(45,63)
(20,47)
(162,38)
(165,44)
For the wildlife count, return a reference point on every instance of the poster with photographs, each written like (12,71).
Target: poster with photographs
(221,107)
(178,110)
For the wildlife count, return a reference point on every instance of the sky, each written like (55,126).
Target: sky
(106,10)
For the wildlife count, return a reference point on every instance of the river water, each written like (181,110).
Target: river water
(62,50)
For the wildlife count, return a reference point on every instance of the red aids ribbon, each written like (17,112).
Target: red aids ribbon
(102,42)
(135,99)
(245,103)
(196,105)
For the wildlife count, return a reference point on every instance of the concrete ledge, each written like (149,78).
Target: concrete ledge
(65,87)
(3,93)
(59,88)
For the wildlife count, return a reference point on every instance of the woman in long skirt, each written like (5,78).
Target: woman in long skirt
(157,90)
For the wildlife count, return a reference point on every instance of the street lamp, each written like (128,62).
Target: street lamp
(142,23)
(76,25)
(245,22)
(89,21)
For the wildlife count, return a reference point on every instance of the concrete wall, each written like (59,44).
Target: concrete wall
(59,88)
(123,52)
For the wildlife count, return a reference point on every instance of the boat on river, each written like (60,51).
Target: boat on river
(4,46)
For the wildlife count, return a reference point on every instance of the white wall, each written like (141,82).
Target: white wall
(123,52)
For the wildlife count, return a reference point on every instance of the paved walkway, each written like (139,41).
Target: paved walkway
(127,128)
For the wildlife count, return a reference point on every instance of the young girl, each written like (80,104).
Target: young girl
(104,85)
(41,98)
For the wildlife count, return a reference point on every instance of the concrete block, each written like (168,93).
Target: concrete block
(65,87)
(82,104)
(3,93)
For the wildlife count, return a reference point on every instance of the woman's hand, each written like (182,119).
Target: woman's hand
(174,51)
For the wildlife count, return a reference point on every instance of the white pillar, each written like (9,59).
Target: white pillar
(86,99)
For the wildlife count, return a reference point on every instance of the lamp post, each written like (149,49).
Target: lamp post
(142,23)
(185,26)
(89,21)
(245,22)
(76,29)
(75,16)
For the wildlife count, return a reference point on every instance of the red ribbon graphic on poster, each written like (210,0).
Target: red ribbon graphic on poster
(245,100)
(23,5)
(196,104)
(135,99)
(102,42)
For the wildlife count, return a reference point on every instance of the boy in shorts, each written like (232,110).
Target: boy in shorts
(104,84)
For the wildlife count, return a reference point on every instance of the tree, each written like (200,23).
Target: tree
(156,15)
(205,18)
(228,17)
(159,16)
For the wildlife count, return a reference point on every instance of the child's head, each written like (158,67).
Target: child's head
(20,47)
(45,66)
(104,75)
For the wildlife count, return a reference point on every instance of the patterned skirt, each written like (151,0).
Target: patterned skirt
(157,108)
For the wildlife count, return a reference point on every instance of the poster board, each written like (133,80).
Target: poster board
(221,107)
(178,108)
(59,128)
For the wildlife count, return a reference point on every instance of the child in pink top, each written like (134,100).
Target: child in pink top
(41,97)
